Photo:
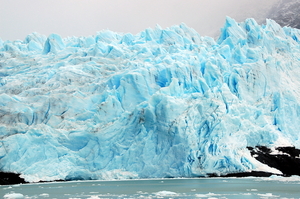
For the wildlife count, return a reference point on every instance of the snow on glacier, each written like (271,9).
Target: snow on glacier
(162,103)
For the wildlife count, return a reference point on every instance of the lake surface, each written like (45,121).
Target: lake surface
(265,188)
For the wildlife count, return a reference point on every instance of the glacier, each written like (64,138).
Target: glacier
(161,103)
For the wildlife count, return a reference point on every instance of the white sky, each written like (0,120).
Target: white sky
(19,18)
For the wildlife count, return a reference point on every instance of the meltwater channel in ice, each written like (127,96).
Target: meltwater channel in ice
(162,103)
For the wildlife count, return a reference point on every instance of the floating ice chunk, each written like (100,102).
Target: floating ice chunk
(267,195)
(165,193)
(13,196)
(45,195)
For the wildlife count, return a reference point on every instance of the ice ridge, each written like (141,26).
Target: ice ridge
(162,103)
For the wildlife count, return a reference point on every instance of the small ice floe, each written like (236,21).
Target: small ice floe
(201,195)
(94,197)
(13,196)
(141,192)
(293,178)
(267,195)
(208,195)
(165,193)
(44,195)
(252,190)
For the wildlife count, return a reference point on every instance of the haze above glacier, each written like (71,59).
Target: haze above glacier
(82,18)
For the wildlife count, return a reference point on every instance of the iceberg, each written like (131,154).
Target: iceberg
(161,103)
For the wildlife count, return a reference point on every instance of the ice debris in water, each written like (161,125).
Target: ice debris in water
(13,196)
(165,193)
(162,103)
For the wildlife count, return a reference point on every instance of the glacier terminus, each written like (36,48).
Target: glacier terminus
(161,103)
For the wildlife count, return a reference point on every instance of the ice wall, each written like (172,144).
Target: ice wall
(162,103)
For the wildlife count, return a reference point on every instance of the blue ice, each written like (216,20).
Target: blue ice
(161,103)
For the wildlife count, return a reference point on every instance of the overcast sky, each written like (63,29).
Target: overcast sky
(19,18)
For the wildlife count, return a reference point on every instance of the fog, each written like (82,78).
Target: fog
(19,18)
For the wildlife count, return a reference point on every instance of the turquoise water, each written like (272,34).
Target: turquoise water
(160,188)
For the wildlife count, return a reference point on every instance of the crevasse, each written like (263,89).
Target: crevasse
(162,103)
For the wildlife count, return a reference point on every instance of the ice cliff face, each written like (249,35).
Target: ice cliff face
(162,103)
